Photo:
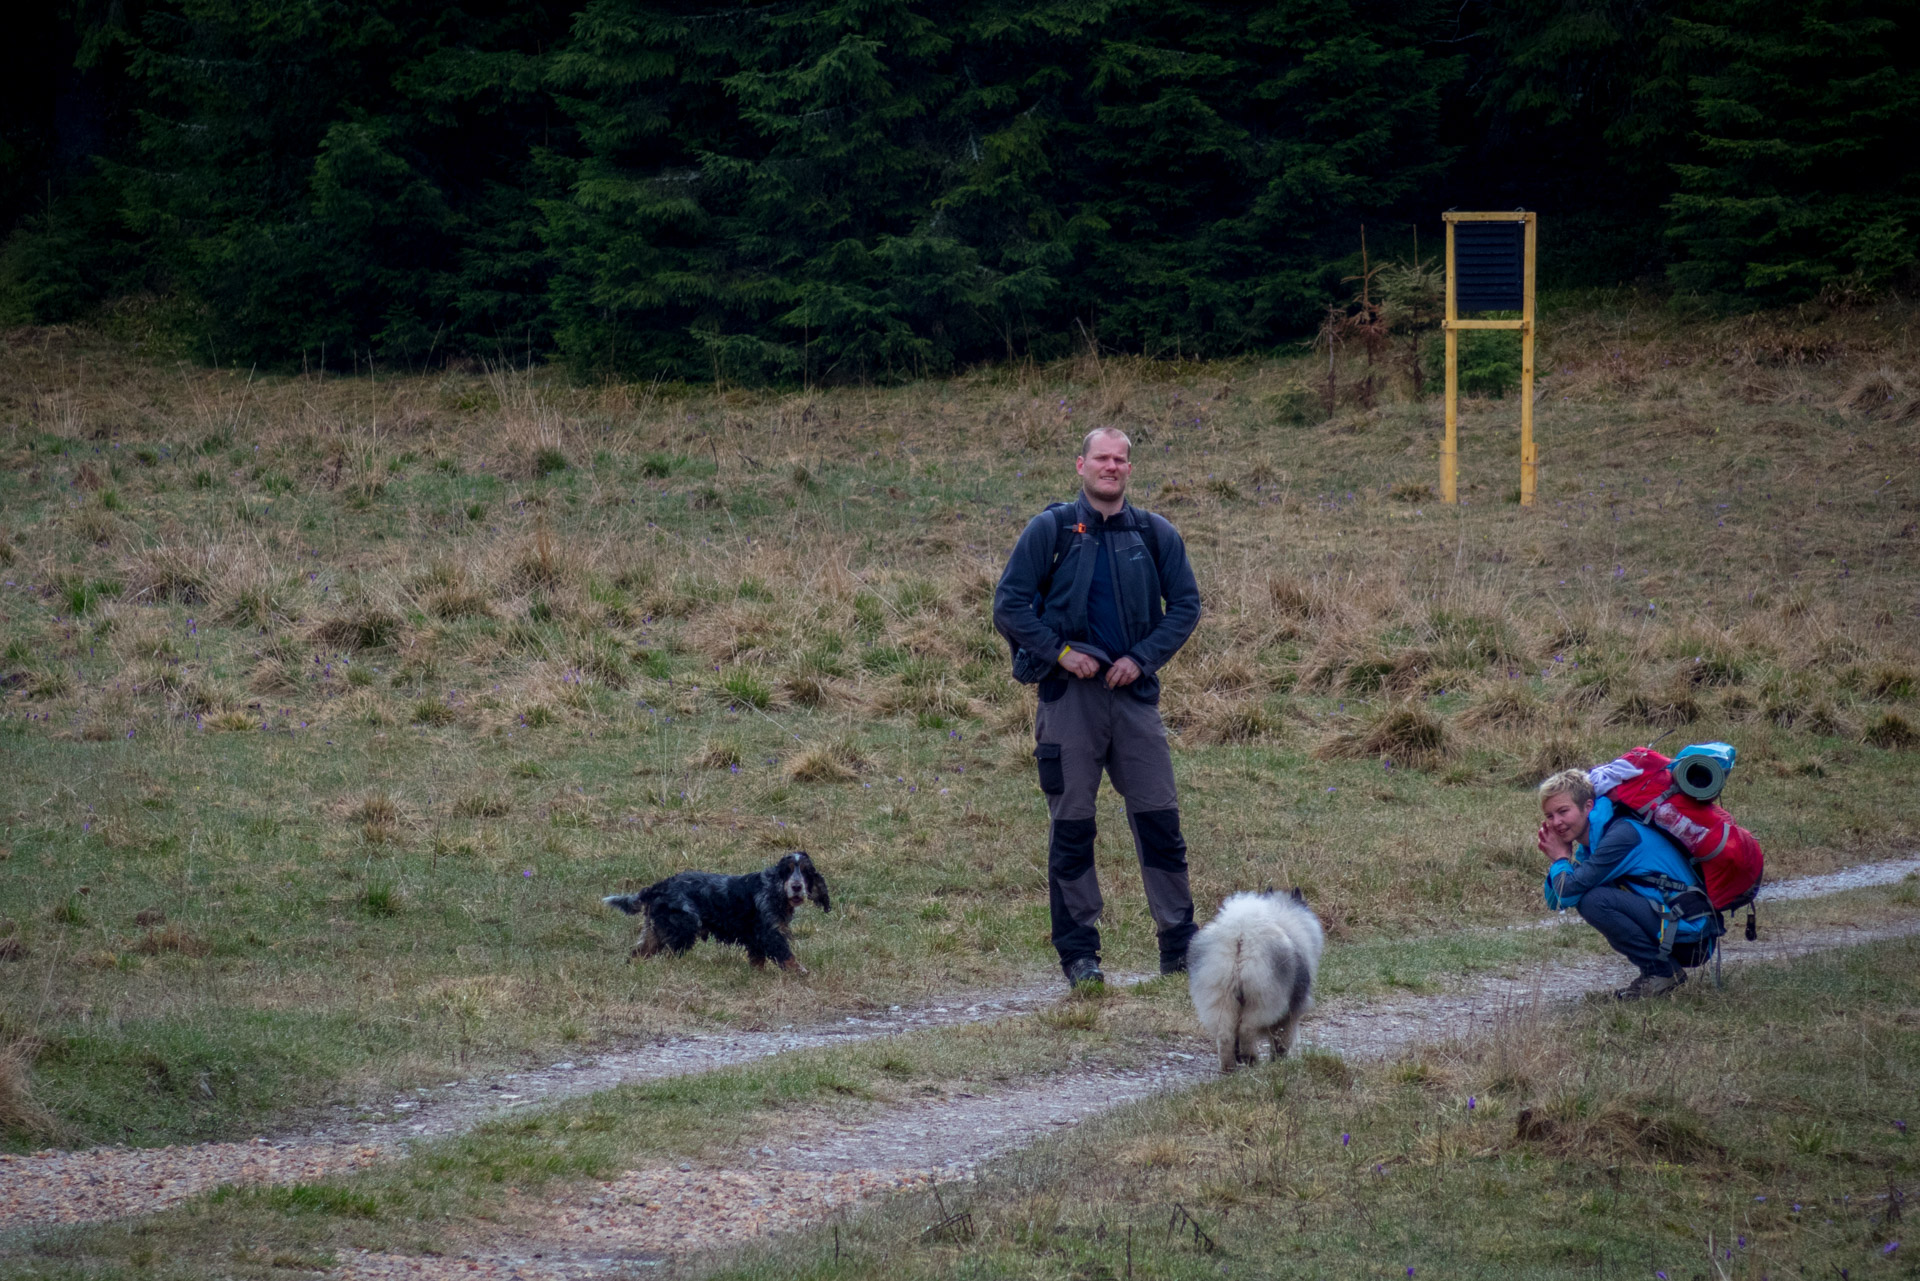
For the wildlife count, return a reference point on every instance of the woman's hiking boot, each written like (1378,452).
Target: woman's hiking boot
(1651,985)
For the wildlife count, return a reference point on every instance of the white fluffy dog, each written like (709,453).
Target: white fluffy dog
(1251,973)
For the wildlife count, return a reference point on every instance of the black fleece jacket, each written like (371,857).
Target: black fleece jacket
(1159,612)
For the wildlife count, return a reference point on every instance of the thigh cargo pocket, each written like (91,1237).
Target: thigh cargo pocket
(1053,776)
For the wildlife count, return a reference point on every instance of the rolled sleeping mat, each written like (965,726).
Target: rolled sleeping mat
(1701,771)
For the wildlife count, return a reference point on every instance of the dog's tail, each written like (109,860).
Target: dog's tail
(628,903)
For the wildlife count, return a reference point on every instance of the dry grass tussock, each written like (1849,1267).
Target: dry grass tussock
(1208,717)
(171,939)
(1406,735)
(840,761)
(183,572)
(1505,707)
(19,1113)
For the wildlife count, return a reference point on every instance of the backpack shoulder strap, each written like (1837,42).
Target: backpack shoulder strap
(1150,535)
(1063,532)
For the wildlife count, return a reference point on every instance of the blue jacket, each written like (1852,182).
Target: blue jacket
(1155,632)
(1623,850)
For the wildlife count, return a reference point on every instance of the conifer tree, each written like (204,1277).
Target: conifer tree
(1805,175)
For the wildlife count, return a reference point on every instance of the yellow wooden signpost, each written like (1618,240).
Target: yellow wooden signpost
(1492,270)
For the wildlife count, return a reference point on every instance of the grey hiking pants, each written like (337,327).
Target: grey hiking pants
(1087,729)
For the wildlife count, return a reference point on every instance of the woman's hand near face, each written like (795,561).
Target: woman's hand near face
(1563,825)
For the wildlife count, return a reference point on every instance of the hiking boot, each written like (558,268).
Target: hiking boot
(1173,964)
(1084,972)
(1651,985)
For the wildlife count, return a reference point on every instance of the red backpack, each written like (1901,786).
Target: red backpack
(1727,856)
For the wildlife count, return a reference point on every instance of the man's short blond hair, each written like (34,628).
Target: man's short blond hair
(1086,441)
(1568,782)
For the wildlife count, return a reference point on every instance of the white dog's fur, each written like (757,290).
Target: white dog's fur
(1251,973)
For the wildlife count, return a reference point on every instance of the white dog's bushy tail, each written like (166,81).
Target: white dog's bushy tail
(1251,972)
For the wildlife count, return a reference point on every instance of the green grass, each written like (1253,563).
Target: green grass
(730,624)
(1752,1132)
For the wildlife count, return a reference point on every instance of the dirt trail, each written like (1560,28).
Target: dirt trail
(645,1217)
(648,1213)
(52,1186)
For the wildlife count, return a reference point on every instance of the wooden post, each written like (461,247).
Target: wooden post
(1450,449)
(1526,379)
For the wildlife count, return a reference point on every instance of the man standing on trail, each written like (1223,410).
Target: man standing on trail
(1081,603)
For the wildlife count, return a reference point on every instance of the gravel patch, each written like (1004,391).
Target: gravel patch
(1385,1027)
(458,1106)
(645,1217)
(106,1183)
(1862,877)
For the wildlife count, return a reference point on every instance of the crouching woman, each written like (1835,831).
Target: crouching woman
(1627,880)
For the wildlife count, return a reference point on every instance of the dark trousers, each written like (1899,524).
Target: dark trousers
(1089,730)
(1630,925)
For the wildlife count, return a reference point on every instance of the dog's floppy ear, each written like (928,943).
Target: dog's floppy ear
(816,884)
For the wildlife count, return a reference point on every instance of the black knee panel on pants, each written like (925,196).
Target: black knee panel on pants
(1070,851)
(1162,848)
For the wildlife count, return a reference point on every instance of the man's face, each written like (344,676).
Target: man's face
(1566,817)
(1104,467)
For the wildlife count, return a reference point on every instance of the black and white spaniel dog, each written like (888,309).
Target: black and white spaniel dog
(751,911)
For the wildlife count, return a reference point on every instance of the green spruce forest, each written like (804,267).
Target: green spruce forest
(839,190)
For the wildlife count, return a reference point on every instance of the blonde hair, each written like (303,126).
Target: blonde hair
(1569,782)
(1086,441)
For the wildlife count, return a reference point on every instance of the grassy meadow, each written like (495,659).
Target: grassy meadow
(332,706)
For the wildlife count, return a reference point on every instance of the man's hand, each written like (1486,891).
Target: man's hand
(1123,672)
(1551,845)
(1081,665)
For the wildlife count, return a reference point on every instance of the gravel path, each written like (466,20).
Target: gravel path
(646,1217)
(460,1105)
(647,1214)
(52,1186)
(1865,876)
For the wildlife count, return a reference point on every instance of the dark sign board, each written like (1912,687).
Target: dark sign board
(1489,266)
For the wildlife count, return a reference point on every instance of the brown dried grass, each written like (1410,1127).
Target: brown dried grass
(835,762)
(172,939)
(19,1114)
(1408,735)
